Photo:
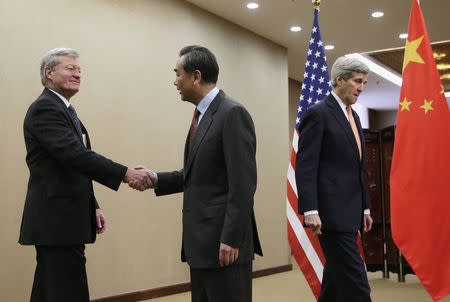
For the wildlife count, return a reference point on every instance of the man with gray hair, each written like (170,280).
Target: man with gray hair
(61,213)
(331,192)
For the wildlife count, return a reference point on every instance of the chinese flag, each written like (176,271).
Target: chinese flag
(420,174)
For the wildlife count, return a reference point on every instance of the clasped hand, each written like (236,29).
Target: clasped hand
(314,223)
(140,178)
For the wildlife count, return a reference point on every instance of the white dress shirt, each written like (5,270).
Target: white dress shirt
(66,102)
(204,103)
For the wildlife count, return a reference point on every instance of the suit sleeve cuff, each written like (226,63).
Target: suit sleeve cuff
(311,213)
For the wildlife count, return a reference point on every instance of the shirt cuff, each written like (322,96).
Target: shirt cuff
(367,212)
(311,213)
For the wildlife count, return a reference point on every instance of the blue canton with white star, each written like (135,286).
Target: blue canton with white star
(316,80)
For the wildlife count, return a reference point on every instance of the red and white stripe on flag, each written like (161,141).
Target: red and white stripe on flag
(305,246)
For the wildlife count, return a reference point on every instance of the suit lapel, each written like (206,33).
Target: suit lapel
(202,129)
(186,150)
(343,122)
(63,106)
(88,140)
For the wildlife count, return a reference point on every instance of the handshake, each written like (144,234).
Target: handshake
(140,178)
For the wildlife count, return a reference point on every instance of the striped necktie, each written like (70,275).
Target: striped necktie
(76,121)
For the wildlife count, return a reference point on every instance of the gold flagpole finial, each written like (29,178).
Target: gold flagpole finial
(316,3)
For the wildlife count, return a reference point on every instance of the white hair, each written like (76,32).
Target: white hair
(51,60)
(345,67)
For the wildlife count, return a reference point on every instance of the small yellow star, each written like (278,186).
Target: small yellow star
(411,54)
(427,106)
(405,104)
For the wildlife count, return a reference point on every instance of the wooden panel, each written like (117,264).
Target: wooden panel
(372,173)
(373,240)
(387,141)
(392,252)
(373,248)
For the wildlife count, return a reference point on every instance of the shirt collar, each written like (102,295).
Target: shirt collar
(341,103)
(66,102)
(206,101)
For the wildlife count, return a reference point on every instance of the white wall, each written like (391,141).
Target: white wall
(363,114)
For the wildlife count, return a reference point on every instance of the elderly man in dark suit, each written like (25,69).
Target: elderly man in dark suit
(218,181)
(331,192)
(61,213)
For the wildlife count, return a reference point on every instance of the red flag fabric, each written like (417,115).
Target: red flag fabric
(420,173)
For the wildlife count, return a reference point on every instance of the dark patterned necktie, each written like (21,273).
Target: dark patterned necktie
(76,121)
(193,128)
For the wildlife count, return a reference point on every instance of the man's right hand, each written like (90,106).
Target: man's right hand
(314,223)
(227,254)
(138,179)
(153,175)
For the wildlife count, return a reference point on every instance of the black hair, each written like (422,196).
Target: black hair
(200,58)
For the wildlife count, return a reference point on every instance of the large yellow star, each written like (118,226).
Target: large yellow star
(411,54)
(405,104)
(427,106)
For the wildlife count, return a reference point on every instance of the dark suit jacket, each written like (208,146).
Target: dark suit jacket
(60,203)
(218,181)
(329,171)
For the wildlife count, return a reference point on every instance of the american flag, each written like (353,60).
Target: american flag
(316,86)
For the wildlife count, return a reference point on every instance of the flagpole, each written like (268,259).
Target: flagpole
(316,3)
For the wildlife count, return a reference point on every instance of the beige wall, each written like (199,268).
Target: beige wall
(127,100)
(294,96)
